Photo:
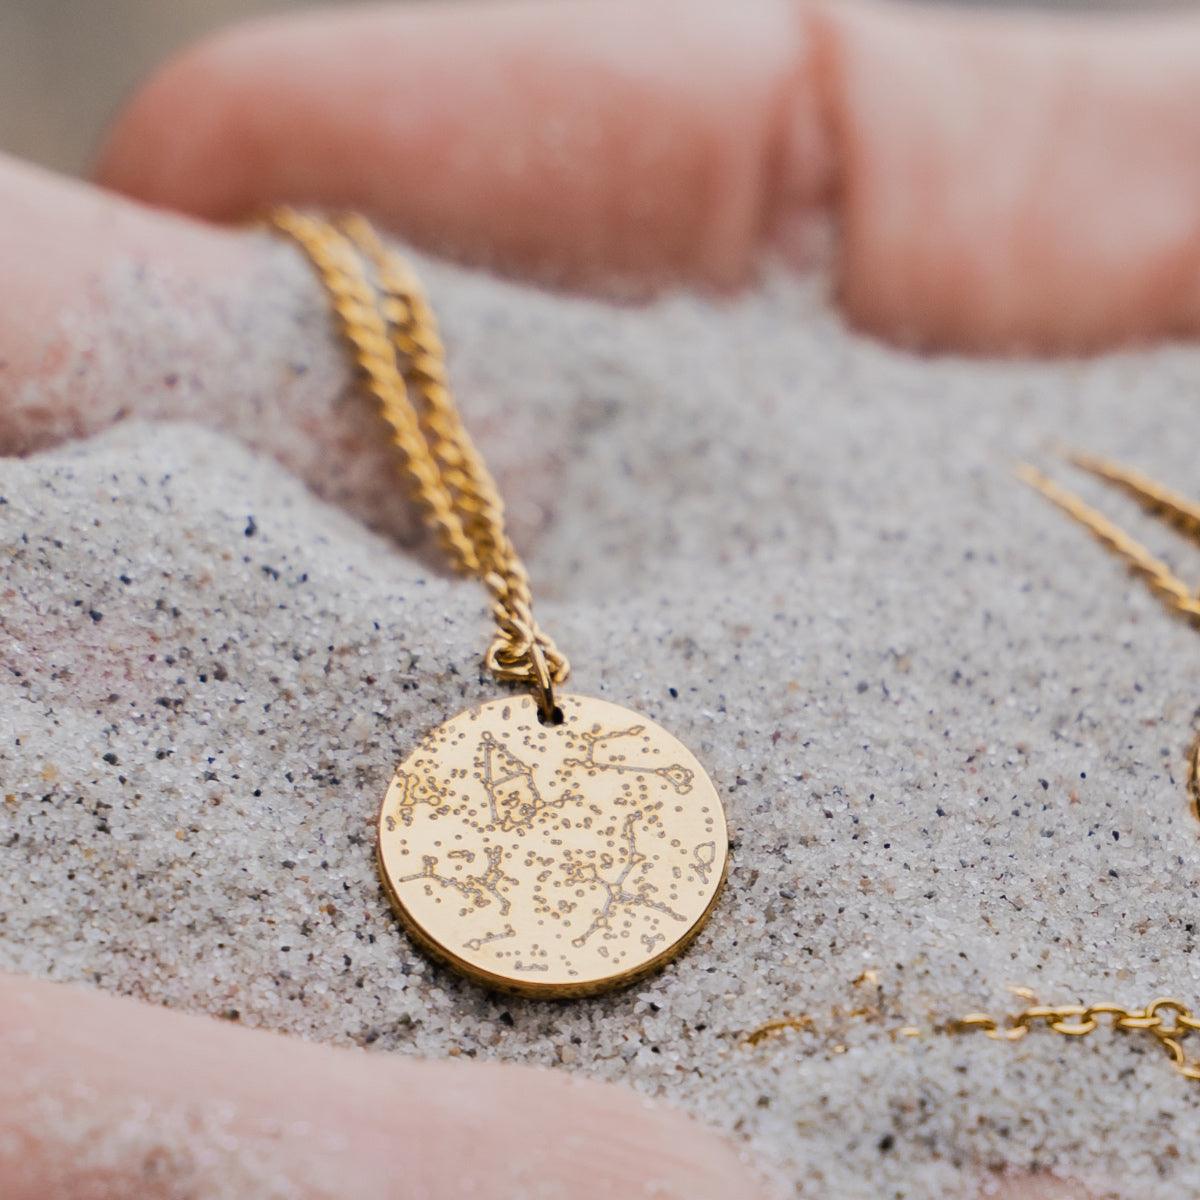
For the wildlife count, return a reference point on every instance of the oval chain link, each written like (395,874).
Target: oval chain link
(387,320)
(1166,1020)
(1169,1022)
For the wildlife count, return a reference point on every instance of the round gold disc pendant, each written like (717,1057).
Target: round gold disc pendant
(553,860)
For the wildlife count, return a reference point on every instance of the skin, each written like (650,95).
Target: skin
(199,1107)
(996,183)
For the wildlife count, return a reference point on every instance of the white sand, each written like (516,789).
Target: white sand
(947,728)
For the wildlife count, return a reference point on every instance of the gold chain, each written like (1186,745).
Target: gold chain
(1157,500)
(1176,510)
(388,322)
(1167,1022)
(386,318)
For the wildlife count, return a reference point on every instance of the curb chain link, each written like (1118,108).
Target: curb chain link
(391,328)
(1157,500)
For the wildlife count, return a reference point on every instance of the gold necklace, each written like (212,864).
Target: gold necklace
(559,845)
(548,844)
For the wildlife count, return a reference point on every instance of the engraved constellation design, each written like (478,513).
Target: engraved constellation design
(703,857)
(630,888)
(417,790)
(478,943)
(513,794)
(676,776)
(481,890)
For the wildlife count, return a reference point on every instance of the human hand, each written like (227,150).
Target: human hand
(701,212)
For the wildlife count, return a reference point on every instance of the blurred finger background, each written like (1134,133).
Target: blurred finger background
(66,65)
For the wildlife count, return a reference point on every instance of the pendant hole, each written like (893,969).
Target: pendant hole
(554,718)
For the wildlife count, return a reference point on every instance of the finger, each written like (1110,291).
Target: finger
(112,310)
(576,142)
(104,1098)
(1000,181)
(1018,182)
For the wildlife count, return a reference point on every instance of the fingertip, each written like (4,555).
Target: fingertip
(153,147)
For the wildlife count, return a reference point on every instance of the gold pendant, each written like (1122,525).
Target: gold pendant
(552,860)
